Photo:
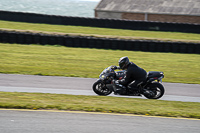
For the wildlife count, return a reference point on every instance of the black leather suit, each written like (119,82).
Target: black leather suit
(134,76)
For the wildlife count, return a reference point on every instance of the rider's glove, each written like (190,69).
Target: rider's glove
(114,67)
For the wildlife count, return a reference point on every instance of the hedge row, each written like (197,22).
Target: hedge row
(97,22)
(101,43)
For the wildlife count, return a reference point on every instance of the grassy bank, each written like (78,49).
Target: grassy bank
(99,104)
(84,62)
(117,33)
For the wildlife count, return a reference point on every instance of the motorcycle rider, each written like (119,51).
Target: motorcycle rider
(135,75)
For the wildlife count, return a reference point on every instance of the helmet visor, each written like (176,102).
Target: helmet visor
(122,65)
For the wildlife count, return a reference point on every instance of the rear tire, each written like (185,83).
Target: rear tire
(100,89)
(157,89)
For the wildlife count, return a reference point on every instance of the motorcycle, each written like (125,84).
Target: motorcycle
(104,86)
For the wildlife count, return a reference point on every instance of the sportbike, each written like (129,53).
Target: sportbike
(103,86)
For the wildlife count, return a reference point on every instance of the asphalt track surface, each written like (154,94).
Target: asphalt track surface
(83,86)
(24,121)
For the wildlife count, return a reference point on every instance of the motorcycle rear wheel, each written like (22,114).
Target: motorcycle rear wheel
(100,89)
(157,89)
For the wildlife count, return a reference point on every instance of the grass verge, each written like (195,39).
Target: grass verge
(99,104)
(104,32)
(88,63)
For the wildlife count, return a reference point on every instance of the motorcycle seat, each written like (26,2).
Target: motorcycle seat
(152,74)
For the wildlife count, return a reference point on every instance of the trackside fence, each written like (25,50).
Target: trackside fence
(97,22)
(100,43)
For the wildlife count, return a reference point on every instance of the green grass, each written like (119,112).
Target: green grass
(85,62)
(99,104)
(119,33)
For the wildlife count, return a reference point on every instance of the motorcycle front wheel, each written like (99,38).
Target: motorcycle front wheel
(100,88)
(156,89)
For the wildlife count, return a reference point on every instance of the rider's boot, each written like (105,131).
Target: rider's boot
(119,89)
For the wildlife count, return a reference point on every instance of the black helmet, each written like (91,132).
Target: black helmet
(123,62)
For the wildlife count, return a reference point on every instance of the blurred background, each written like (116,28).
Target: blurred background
(79,8)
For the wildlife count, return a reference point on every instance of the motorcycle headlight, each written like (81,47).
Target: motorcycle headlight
(102,77)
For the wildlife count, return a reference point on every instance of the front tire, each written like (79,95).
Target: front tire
(156,89)
(100,88)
